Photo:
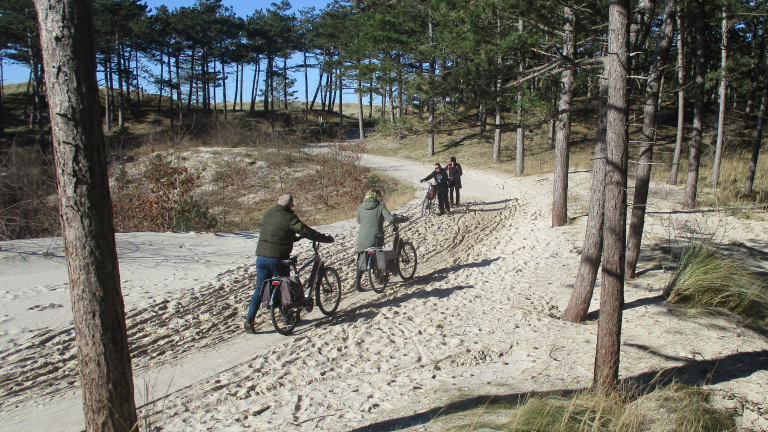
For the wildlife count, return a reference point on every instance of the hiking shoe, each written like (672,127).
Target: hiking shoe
(248,326)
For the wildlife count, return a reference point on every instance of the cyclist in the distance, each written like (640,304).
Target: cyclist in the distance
(279,227)
(371,214)
(441,184)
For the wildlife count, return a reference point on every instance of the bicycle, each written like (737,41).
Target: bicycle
(428,205)
(324,289)
(400,258)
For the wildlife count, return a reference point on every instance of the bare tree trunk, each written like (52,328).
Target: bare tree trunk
(563,126)
(758,135)
(722,96)
(645,161)
(431,109)
(680,97)
(223,89)
(758,44)
(591,253)
(692,182)
(497,120)
(615,219)
(254,87)
(360,107)
(520,137)
(86,214)
(306,88)
(108,92)
(170,92)
(551,134)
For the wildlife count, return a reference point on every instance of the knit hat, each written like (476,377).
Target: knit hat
(453,159)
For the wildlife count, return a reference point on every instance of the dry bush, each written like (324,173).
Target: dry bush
(27,195)
(159,200)
(334,180)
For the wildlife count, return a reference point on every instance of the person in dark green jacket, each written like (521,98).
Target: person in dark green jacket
(279,228)
(371,215)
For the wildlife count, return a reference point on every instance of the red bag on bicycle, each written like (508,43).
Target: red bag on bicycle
(432,192)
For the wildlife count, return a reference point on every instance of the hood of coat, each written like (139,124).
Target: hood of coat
(371,203)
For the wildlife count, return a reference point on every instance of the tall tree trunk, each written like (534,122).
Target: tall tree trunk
(162,74)
(680,97)
(563,125)
(317,90)
(645,161)
(170,92)
(191,77)
(758,135)
(178,90)
(723,96)
(67,38)
(692,182)
(306,89)
(520,136)
(758,50)
(237,87)
(482,117)
(107,93)
(551,134)
(120,95)
(591,253)
(2,96)
(254,87)
(497,105)
(340,83)
(223,88)
(360,107)
(431,108)
(615,217)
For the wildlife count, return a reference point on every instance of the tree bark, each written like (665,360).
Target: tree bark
(591,253)
(66,34)
(614,225)
(722,95)
(680,97)
(563,126)
(692,182)
(360,107)
(758,135)
(645,160)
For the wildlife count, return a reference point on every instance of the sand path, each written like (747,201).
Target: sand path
(480,318)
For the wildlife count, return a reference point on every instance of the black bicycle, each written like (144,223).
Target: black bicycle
(400,258)
(428,205)
(324,289)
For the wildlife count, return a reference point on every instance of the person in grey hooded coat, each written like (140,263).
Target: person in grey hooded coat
(371,214)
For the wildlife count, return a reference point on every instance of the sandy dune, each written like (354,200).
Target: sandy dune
(480,318)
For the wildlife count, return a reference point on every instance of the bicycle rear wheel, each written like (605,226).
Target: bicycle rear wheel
(426,206)
(328,293)
(284,319)
(376,276)
(406,260)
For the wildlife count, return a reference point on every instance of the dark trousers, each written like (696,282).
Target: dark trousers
(442,200)
(451,188)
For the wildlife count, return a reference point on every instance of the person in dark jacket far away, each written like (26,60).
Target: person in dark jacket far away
(454,179)
(279,227)
(371,215)
(441,184)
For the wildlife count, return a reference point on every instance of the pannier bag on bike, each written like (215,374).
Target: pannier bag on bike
(432,192)
(291,291)
(266,292)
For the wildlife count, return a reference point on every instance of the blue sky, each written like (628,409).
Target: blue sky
(13,73)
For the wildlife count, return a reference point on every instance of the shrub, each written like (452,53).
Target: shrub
(705,278)
(27,195)
(159,200)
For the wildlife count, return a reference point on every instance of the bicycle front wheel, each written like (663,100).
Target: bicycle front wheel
(328,293)
(426,206)
(284,319)
(406,260)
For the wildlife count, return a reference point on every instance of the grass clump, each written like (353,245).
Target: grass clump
(675,407)
(707,279)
